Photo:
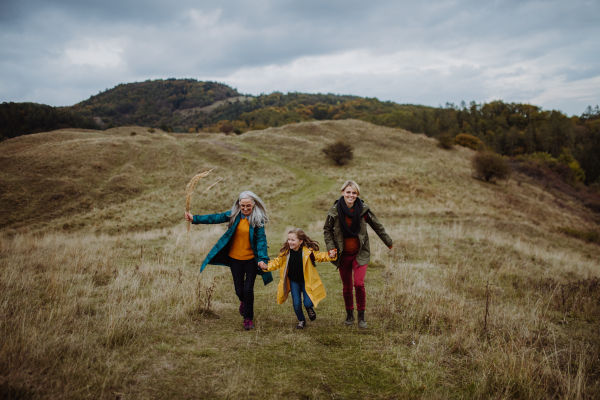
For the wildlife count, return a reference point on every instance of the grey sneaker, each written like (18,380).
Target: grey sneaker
(362,324)
(301,324)
(312,314)
(349,318)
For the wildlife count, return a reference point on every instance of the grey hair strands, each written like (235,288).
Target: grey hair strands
(259,216)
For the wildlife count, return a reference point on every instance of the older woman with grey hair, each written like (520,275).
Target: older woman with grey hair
(241,248)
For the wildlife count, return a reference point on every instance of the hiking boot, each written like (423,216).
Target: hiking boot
(248,324)
(301,324)
(349,318)
(242,308)
(362,324)
(312,314)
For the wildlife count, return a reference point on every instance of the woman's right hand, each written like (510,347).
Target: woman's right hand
(188,216)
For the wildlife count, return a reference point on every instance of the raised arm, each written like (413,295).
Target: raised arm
(218,218)
(379,229)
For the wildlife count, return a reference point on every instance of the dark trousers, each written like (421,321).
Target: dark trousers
(244,274)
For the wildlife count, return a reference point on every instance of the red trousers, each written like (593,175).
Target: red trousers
(347,266)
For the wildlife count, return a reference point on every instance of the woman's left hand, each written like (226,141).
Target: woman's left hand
(332,253)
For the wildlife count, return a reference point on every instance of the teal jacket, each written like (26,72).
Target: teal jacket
(219,254)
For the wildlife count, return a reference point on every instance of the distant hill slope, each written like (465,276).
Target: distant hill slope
(112,180)
(152,103)
(188,105)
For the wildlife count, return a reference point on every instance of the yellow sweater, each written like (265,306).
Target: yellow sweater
(240,242)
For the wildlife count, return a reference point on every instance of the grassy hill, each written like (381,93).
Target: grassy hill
(101,297)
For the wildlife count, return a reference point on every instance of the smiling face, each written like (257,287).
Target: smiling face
(293,241)
(350,195)
(246,206)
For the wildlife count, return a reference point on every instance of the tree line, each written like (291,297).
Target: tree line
(18,119)
(511,129)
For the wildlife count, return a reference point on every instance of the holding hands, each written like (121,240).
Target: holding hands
(262,265)
(332,253)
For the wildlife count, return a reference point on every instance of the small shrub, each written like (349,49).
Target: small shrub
(226,128)
(133,133)
(590,236)
(167,128)
(339,152)
(490,166)
(466,140)
(151,130)
(567,158)
(237,130)
(446,141)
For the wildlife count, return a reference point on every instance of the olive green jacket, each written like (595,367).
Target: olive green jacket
(334,239)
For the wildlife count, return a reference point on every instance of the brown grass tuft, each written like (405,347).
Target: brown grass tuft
(189,190)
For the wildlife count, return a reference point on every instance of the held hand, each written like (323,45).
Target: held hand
(188,216)
(262,265)
(332,253)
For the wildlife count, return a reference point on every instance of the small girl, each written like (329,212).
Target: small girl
(296,262)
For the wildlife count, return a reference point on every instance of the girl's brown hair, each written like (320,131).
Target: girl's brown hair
(306,241)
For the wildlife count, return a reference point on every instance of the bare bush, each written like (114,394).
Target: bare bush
(339,152)
(446,141)
(226,128)
(490,166)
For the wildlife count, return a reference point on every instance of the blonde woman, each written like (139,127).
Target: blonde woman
(241,248)
(345,230)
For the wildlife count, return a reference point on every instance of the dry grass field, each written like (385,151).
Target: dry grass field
(100,295)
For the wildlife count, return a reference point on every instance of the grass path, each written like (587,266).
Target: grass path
(217,358)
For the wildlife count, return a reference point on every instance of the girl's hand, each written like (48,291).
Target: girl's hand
(188,216)
(332,253)
(262,265)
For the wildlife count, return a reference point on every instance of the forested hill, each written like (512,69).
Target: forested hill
(152,103)
(188,105)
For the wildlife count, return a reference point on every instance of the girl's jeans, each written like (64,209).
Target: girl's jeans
(297,289)
(348,265)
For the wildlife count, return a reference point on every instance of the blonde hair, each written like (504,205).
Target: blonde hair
(308,242)
(353,185)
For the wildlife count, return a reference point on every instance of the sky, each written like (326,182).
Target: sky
(547,53)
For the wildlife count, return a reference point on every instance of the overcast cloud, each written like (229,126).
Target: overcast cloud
(431,52)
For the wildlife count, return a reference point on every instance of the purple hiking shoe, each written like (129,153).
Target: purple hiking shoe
(248,324)
(242,308)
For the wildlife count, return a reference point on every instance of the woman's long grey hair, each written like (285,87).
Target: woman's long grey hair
(259,215)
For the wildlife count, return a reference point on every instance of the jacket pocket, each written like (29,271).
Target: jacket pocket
(366,246)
